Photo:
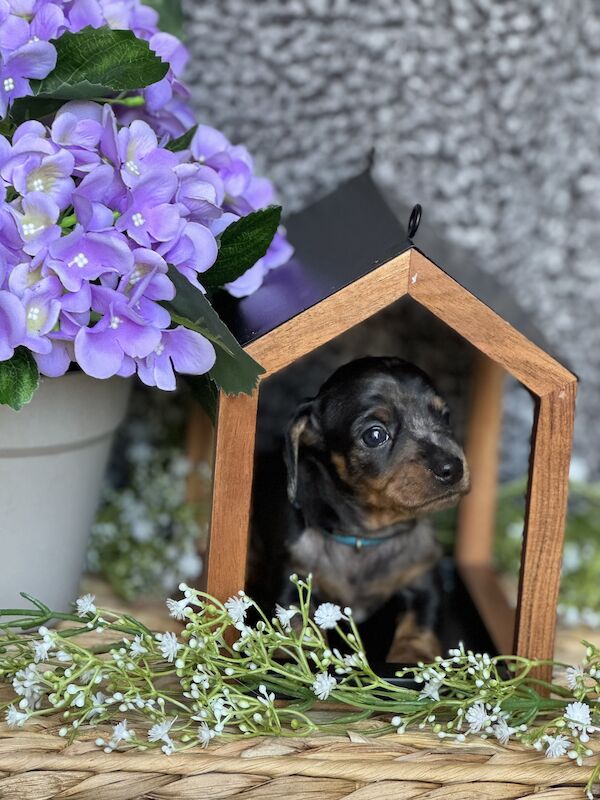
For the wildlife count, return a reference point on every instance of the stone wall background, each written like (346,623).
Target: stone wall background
(486,112)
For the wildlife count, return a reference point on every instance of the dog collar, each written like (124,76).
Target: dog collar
(358,542)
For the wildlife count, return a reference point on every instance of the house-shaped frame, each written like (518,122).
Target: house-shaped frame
(353,269)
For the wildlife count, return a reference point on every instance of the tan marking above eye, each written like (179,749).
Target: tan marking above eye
(438,403)
(383,415)
(339,463)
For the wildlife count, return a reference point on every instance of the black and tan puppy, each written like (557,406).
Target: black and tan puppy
(367,459)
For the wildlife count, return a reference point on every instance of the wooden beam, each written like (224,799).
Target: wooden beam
(477,511)
(483,328)
(334,315)
(546,509)
(198,449)
(486,592)
(227,550)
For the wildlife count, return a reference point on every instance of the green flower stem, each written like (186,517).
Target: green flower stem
(207,688)
(68,221)
(130,102)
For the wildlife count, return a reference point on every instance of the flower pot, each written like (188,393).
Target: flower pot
(53,454)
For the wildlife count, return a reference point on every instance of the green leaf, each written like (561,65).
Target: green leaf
(97,62)
(204,391)
(19,378)
(235,372)
(183,141)
(25,108)
(242,244)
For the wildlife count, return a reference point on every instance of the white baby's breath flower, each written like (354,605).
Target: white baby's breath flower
(15,718)
(556,746)
(353,660)
(219,707)
(168,747)
(574,675)
(79,700)
(63,657)
(137,647)
(264,696)
(503,731)
(27,684)
(327,616)
(323,685)
(98,701)
(41,649)
(121,733)
(177,608)
(579,720)
(85,605)
(285,615)
(237,607)
(169,646)
(431,689)
(477,717)
(205,734)
(160,731)
(578,715)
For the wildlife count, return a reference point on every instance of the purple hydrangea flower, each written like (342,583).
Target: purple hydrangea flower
(181,349)
(150,216)
(120,332)
(35,171)
(37,221)
(94,208)
(12,324)
(32,60)
(82,257)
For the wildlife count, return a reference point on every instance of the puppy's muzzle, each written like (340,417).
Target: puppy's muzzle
(446,468)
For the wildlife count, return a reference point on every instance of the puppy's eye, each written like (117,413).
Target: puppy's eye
(375,436)
(445,415)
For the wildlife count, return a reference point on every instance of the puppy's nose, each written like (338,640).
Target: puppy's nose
(446,468)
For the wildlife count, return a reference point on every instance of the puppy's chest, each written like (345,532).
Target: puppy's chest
(362,579)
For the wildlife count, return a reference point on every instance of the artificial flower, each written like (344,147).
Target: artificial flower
(323,685)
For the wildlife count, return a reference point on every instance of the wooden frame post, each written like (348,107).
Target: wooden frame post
(477,512)
(199,448)
(554,387)
(546,509)
(233,466)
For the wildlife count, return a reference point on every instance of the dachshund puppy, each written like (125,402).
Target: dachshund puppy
(367,458)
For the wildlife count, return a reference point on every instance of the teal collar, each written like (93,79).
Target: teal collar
(358,542)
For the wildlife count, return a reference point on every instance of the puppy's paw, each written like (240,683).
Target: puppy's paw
(412,643)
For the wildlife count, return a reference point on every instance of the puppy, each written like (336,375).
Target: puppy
(367,458)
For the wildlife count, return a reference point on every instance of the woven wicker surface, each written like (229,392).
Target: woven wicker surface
(40,766)
(36,764)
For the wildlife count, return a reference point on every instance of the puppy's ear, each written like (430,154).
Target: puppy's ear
(303,428)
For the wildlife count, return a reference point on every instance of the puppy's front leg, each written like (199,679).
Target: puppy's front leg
(414,637)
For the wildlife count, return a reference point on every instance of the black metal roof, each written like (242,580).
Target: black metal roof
(344,236)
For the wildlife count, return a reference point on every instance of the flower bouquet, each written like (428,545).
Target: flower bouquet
(120,217)
(175,690)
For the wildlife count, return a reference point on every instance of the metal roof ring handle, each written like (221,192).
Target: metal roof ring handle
(414,221)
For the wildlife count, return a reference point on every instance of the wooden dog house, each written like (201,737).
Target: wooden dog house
(352,260)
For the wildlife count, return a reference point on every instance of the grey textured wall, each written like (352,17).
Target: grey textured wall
(486,112)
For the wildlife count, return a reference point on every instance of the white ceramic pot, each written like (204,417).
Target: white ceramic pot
(53,454)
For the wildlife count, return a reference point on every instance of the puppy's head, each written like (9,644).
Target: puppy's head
(377,442)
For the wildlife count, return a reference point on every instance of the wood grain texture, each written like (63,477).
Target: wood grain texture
(199,448)
(227,550)
(477,512)
(483,328)
(543,537)
(339,312)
